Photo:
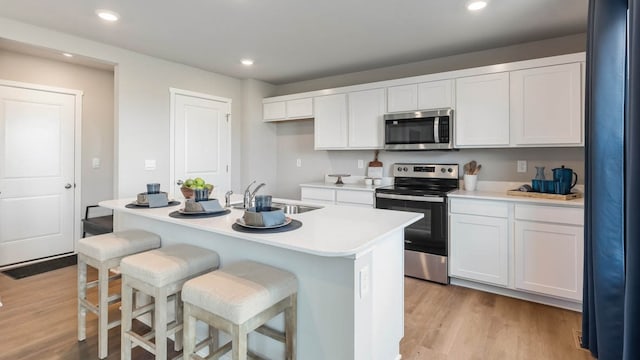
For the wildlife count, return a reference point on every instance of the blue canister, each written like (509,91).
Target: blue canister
(566,179)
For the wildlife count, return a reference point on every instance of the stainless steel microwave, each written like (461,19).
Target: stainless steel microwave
(419,130)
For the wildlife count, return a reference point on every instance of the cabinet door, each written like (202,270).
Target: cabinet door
(366,128)
(402,98)
(546,105)
(300,108)
(479,248)
(482,106)
(548,259)
(330,125)
(435,94)
(274,111)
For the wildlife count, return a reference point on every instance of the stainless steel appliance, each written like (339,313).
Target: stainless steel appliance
(423,188)
(419,130)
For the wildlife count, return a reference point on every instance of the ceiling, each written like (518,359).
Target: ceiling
(295,40)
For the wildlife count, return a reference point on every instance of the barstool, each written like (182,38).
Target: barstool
(160,274)
(239,299)
(104,252)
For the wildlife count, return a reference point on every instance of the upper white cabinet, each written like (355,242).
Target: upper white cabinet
(427,95)
(546,105)
(482,111)
(287,110)
(330,125)
(350,121)
(366,127)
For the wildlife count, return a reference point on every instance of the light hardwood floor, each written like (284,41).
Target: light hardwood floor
(38,321)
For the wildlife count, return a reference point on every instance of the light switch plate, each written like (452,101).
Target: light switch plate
(95,163)
(360,164)
(149,164)
(299,162)
(522,166)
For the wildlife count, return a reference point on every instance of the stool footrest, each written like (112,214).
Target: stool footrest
(143,340)
(89,306)
(272,333)
(202,344)
(221,351)
(142,310)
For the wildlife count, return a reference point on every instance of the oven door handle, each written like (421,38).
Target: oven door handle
(435,199)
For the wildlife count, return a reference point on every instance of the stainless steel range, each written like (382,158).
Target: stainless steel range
(423,188)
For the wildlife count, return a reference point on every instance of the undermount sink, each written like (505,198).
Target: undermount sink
(287,208)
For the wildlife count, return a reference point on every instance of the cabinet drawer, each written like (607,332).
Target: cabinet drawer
(318,194)
(355,197)
(552,214)
(479,207)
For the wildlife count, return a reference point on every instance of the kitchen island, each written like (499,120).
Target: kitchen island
(349,262)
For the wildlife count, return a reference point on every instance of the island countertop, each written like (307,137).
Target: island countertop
(332,231)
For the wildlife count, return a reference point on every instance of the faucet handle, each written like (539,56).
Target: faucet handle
(227,198)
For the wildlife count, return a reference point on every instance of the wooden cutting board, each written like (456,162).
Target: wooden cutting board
(532,194)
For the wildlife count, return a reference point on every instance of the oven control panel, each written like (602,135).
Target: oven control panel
(440,171)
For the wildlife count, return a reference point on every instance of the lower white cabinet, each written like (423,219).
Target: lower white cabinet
(525,247)
(479,248)
(336,196)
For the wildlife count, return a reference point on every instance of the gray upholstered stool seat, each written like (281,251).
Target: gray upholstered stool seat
(104,252)
(160,274)
(238,299)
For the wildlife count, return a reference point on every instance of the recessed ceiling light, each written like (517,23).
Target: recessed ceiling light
(67,54)
(107,15)
(246,62)
(476,5)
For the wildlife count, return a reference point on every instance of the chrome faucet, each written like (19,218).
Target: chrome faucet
(249,195)
(227,198)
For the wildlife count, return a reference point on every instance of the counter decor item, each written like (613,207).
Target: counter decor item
(153,197)
(190,185)
(200,209)
(540,195)
(339,176)
(368,181)
(566,179)
(539,173)
(266,218)
(375,167)
(470,177)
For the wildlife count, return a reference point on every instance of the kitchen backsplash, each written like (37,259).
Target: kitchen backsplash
(295,141)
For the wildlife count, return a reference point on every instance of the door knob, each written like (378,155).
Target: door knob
(179,182)
(68,186)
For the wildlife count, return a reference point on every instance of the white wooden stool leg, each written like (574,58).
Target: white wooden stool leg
(215,339)
(189,333)
(103,308)
(290,327)
(82,295)
(239,345)
(177,344)
(126,304)
(161,323)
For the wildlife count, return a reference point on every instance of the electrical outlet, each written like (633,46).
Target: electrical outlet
(360,164)
(522,166)
(299,162)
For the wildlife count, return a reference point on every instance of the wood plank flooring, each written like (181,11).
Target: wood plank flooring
(38,321)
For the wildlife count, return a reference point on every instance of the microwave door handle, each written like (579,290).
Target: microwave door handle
(435,199)
(436,130)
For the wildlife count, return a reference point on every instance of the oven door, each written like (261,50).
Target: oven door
(429,234)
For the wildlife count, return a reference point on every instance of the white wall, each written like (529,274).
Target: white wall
(97,112)
(141,102)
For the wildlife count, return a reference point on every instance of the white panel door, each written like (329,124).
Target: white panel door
(479,248)
(202,141)
(366,128)
(36,174)
(546,105)
(330,124)
(549,259)
(482,105)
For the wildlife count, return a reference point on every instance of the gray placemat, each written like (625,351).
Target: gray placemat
(176,214)
(295,224)
(134,206)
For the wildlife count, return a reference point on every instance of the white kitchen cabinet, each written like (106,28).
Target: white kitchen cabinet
(335,196)
(549,247)
(402,98)
(435,94)
(479,241)
(482,111)
(546,106)
(422,96)
(288,110)
(330,124)
(366,127)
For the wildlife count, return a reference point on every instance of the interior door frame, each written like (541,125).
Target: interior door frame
(77,152)
(172,131)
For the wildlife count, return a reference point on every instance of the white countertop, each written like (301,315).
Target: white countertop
(502,196)
(358,187)
(333,231)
